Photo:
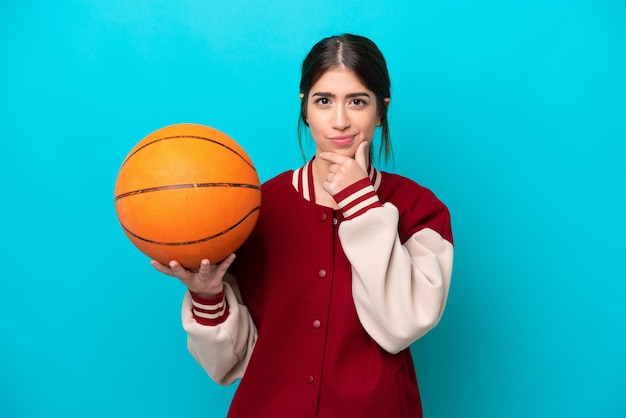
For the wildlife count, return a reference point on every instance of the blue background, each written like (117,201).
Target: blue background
(514,113)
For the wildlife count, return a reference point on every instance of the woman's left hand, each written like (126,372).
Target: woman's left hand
(344,171)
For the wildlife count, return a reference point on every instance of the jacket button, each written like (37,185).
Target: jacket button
(323,217)
(317,323)
(322,273)
(309,379)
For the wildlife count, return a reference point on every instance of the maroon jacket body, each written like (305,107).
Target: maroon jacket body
(312,356)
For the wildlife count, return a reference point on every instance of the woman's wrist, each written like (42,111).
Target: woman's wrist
(209,293)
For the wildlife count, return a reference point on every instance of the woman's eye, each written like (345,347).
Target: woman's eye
(359,102)
(323,101)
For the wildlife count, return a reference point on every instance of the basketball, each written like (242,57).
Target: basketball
(187,192)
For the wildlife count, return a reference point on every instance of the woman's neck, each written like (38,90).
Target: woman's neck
(322,197)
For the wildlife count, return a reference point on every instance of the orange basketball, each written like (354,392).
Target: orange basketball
(187,192)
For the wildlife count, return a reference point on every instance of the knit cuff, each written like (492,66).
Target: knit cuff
(357,198)
(209,311)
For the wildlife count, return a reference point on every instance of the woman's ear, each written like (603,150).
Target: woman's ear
(301,99)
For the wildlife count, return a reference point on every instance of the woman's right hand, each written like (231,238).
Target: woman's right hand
(205,281)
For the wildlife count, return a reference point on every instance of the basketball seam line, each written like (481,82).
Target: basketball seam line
(193,137)
(194,241)
(185,186)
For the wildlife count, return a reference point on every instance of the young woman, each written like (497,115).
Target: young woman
(347,266)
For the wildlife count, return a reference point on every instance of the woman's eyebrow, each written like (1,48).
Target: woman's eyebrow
(348,96)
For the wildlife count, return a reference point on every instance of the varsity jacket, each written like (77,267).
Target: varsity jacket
(322,305)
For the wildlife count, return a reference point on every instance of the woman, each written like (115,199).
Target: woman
(346,267)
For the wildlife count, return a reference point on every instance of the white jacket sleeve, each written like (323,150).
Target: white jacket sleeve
(399,291)
(223,350)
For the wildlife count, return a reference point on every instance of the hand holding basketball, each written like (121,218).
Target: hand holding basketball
(205,281)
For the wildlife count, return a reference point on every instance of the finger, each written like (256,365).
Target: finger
(225,264)
(161,268)
(205,268)
(179,271)
(333,157)
(360,157)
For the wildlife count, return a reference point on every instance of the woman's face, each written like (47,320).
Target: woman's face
(341,113)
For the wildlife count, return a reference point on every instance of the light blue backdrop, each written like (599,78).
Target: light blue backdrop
(512,112)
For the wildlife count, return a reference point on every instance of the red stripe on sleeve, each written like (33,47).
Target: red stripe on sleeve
(357,198)
(209,311)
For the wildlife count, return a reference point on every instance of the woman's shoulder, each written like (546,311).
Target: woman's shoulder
(279,187)
(400,186)
(418,206)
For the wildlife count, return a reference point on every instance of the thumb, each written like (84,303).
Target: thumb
(360,155)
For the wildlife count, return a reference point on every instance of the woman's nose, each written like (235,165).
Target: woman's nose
(340,118)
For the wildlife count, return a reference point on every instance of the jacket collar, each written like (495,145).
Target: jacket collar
(302,180)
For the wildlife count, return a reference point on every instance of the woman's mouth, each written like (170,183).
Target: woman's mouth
(342,140)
